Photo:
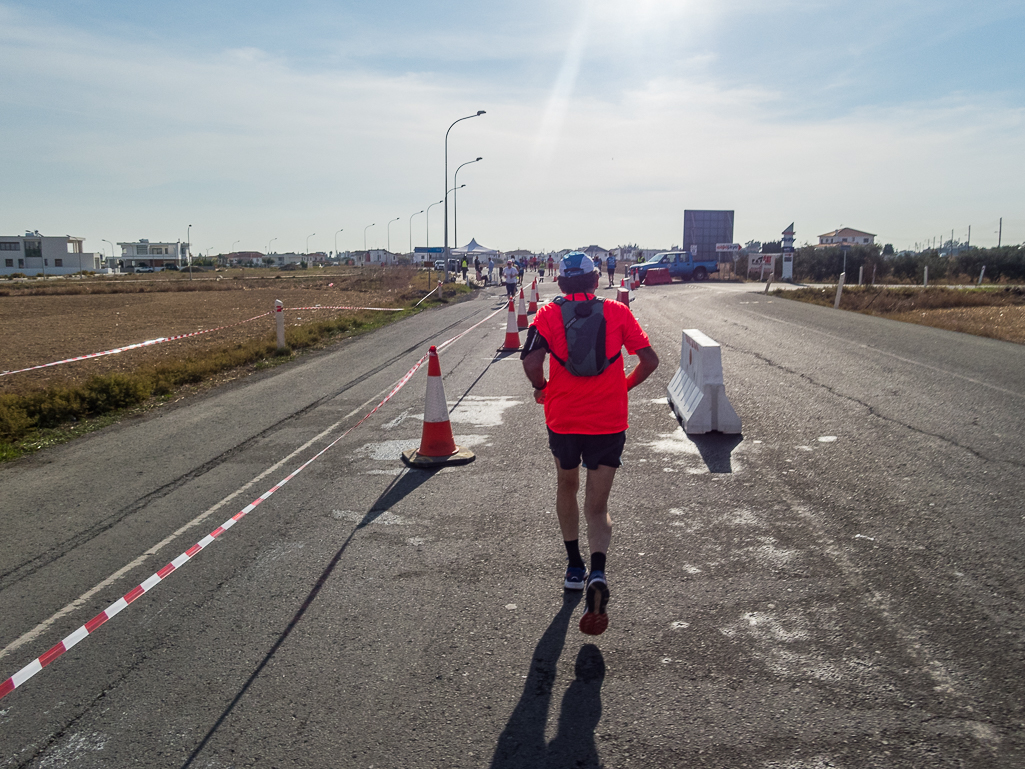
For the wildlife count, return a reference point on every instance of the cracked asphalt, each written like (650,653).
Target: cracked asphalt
(839,586)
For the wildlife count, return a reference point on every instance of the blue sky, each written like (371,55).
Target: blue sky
(605,120)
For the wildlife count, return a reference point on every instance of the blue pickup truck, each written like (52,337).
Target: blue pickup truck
(681,265)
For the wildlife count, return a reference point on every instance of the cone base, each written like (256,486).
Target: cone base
(414,458)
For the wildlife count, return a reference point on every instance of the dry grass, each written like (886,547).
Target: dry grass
(998,313)
(51,405)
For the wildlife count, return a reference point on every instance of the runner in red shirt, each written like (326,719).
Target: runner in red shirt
(586,418)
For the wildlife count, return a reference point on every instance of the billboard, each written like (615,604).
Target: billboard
(706,229)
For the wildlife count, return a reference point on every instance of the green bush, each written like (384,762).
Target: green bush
(14,421)
(115,391)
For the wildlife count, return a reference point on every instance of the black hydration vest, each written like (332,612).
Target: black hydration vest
(584,322)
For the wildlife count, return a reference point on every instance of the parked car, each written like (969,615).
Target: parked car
(144,269)
(439,264)
(290,266)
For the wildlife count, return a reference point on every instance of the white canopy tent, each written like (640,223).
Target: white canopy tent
(473,248)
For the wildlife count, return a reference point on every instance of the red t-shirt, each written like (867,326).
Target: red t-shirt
(588,405)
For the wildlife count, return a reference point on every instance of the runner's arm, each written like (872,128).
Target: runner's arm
(647,363)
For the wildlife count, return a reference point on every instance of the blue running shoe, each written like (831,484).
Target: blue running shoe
(595,620)
(576,576)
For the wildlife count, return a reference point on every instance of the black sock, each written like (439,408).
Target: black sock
(573,551)
(597,562)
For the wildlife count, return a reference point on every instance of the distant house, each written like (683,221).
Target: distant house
(35,254)
(846,237)
(143,253)
(597,253)
(245,258)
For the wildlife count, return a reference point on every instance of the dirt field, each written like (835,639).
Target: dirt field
(42,329)
(994,313)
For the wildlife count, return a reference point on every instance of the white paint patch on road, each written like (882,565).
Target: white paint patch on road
(70,752)
(827,439)
(470,440)
(397,421)
(680,625)
(481,411)
(387,518)
(768,554)
(804,448)
(674,443)
(387,451)
(417,541)
(660,401)
(815,762)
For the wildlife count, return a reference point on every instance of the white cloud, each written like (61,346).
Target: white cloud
(243,143)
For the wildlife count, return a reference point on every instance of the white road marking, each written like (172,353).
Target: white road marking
(39,629)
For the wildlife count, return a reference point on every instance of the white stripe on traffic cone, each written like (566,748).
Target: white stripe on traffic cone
(437,445)
(512,333)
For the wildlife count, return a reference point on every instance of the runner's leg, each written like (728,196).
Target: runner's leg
(597,488)
(566,506)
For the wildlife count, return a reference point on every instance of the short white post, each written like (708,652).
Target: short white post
(839,290)
(279,313)
(873,274)
(768,283)
(981,273)
(861,273)
(925,283)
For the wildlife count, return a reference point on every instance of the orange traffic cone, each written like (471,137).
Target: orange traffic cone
(437,446)
(522,321)
(534,297)
(512,334)
(623,295)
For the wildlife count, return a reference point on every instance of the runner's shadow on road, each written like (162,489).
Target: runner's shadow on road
(716,450)
(522,743)
(405,483)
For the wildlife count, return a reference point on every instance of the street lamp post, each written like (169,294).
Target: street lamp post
(308,246)
(111,252)
(268,247)
(432,205)
(430,261)
(411,234)
(188,246)
(336,243)
(455,202)
(445,254)
(366,255)
(388,228)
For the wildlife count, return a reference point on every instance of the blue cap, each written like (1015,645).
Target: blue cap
(576,263)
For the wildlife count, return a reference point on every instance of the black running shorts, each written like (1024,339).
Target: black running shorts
(595,449)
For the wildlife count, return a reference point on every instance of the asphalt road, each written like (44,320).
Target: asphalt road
(840,586)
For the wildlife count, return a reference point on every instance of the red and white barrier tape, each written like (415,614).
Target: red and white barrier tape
(343,307)
(162,339)
(119,605)
(134,346)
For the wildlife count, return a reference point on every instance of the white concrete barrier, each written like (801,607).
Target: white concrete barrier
(697,394)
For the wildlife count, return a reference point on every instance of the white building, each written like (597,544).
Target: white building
(846,236)
(34,254)
(143,253)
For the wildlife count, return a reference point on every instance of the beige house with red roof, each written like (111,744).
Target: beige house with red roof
(846,236)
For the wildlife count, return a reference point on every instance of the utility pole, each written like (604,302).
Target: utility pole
(1000,232)
(969,243)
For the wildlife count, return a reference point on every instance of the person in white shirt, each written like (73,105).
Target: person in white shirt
(509,276)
